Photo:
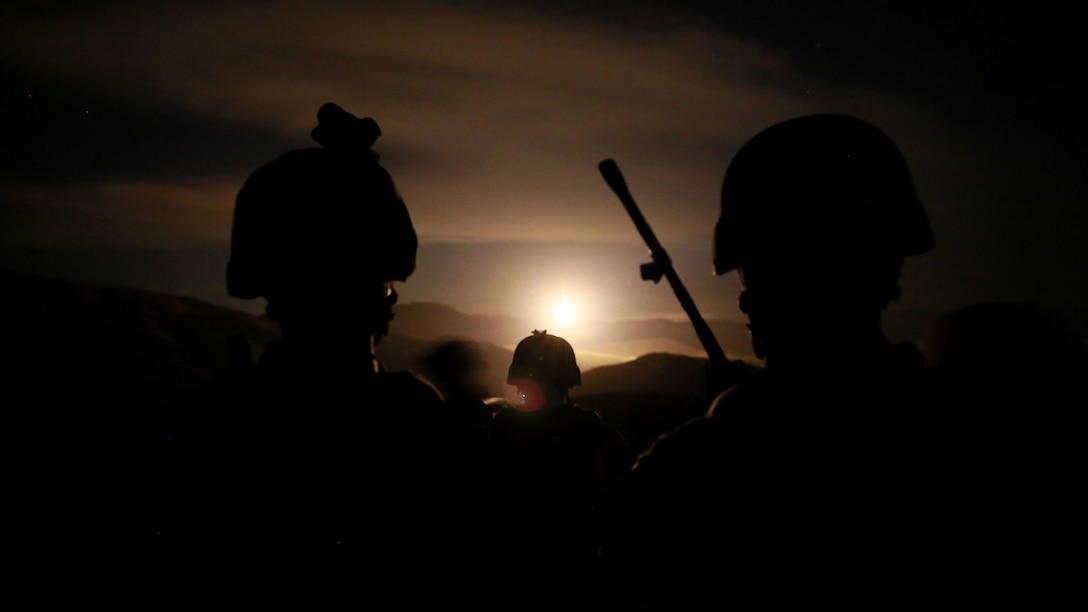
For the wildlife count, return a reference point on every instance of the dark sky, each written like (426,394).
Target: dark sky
(127,129)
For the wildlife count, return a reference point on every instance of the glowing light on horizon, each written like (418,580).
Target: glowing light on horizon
(564,311)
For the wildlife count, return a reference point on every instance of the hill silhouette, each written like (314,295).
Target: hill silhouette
(99,355)
(117,341)
(69,345)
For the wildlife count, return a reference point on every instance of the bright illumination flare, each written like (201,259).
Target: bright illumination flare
(564,311)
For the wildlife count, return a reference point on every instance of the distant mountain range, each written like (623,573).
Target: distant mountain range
(64,341)
(148,339)
(68,343)
(419,327)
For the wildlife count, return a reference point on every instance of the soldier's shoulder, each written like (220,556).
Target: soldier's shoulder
(585,417)
(409,387)
(286,163)
(700,440)
(742,397)
(282,172)
(683,446)
(298,156)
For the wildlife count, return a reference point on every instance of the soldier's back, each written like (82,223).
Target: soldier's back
(549,474)
(271,458)
(783,492)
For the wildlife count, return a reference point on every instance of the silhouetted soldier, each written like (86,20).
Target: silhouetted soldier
(457,368)
(1013,381)
(318,445)
(794,487)
(553,463)
(1006,355)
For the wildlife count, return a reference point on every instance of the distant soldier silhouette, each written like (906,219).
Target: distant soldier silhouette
(794,487)
(457,368)
(318,445)
(553,463)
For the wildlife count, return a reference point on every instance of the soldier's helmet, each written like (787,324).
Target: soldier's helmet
(818,185)
(339,129)
(321,222)
(546,360)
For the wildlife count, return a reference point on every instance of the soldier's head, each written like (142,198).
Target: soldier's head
(817,215)
(458,368)
(544,370)
(338,129)
(322,234)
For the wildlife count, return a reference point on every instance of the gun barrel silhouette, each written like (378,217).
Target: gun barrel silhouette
(662,266)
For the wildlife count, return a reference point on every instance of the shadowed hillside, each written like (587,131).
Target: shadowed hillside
(124,341)
(109,358)
(67,343)
(68,338)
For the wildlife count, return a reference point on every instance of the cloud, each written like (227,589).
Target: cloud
(493,122)
(254,60)
(115,214)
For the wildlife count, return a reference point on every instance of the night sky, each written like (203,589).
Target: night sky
(128,128)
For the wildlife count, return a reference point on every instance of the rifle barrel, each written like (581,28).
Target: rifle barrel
(612,175)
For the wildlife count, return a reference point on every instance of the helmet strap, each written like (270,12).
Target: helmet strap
(757,342)
(385,314)
(745,302)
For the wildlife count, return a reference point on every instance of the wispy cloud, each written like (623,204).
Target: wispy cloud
(494,122)
(114,214)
